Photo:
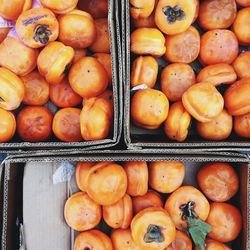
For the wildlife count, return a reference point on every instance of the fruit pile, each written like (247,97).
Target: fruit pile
(120,194)
(193,54)
(57,51)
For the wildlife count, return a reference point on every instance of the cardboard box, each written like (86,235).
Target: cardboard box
(15,145)
(30,197)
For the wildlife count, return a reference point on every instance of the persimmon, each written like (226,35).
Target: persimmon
(144,71)
(181,242)
(242,125)
(147,22)
(36,89)
(81,212)
(66,125)
(153,228)
(149,108)
(34,124)
(59,7)
(17,57)
(63,96)
(88,77)
(236,97)
(106,183)
(77,29)
(11,90)
(82,170)
(242,64)
(37,27)
(240,26)
(175,16)
(102,41)
(105,60)
(176,78)
(119,215)
(122,239)
(219,128)
(214,245)
(183,47)
(12,9)
(218,181)
(3,33)
(137,173)
(215,14)
(186,199)
(96,119)
(166,176)
(217,74)
(7,125)
(244,3)
(218,46)
(178,122)
(225,221)
(150,199)
(146,41)
(54,61)
(141,9)
(203,101)
(79,53)
(97,8)
(93,239)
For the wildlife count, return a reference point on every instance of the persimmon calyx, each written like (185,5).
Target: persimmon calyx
(173,14)
(188,210)
(153,234)
(42,34)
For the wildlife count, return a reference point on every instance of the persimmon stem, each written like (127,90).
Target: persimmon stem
(173,13)
(42,34)
(188,210)
(153,234)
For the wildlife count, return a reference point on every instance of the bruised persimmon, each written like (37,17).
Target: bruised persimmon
(59,6)
(219,128)
(181,242)
(37,27)
(66,125)
(149,108)
(241,64)
(218,181)
(122,239)
(102,41)
(106,183)
(144,71)
(242,125)
(81,212)
(203,101)
(243,3)
(54,61)
(17,57)
(88,77)
(3,33)
(153,229)
(150,199)
(176,78)
(34,124)
(137,173)
(225,221)
(79,53)
(82,170)
(63,96)
(183,47)
(166,176)
(119,215)
(183,199)
(175,16)
(36,89)
(77,29)
(241,26)
(146,41)
(218,46)
(215,14)
(97,8)
(214,245)
(96,118)
(93,239)
(217,74)
(236,97)
(7,125)
(141,9)
(178,122)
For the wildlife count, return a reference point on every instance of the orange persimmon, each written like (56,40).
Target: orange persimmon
(242,64)
(141,9)
(214,245)
(59,6)
(7,125)
(82,170)
(242,125)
